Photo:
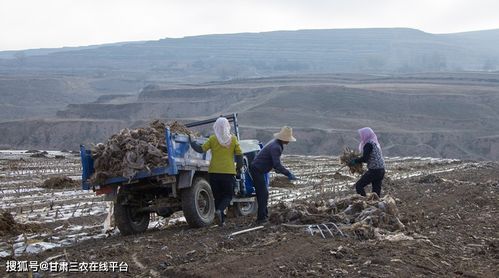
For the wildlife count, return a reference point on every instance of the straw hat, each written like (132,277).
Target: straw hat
(286,134)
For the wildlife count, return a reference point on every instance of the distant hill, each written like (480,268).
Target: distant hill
(38,82)
(438,115)
(222,57)
(426,94)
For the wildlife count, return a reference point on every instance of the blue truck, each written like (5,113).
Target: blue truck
(180,185)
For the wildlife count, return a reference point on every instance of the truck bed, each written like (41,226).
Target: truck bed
(180,157)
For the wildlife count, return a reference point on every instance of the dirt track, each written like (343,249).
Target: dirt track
(451,216)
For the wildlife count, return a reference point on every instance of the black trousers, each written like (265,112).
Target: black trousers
(374,176)
(262,193)
(222,188)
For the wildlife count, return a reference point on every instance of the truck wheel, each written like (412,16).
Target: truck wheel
(129,220)
(198,204)
(244,208)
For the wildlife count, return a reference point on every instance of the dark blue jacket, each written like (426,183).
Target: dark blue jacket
(371,154)
(270,157)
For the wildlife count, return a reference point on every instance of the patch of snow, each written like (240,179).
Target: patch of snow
(177,220)
(4,254)
(40,247)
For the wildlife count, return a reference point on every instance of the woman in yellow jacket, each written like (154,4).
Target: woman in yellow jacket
(224,148)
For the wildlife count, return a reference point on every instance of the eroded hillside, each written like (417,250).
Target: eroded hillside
(438,115)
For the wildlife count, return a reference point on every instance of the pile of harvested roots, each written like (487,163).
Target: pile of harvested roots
(347,156)
(357,216)
(132,150)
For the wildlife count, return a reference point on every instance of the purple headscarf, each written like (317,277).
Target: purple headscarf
(366,135)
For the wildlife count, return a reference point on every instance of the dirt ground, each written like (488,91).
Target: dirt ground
(451,228)
(454,214)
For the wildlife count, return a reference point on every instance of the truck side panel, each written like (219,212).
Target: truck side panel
(87,164)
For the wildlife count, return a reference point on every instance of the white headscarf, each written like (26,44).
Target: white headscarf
(222,132)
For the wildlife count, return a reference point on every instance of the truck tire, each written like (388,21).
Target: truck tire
(129,221)
(198,204)
(244,208)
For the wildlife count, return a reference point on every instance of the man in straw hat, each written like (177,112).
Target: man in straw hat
(267,159)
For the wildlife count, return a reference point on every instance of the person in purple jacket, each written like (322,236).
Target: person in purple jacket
(267,159)
(372,155)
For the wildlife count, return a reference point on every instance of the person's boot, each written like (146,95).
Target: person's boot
(219,218)
(261,222)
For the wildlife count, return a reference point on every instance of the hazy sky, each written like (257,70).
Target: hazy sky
(55,23)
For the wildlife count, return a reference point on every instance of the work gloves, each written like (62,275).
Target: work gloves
(291,177)
(195,145)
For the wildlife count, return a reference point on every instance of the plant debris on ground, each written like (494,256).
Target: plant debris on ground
(9,226)
(60,182)
(362,217)
(39,154)
(430,179)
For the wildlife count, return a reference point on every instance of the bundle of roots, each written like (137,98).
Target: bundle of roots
(349,155)
(281,181)
(133,150)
